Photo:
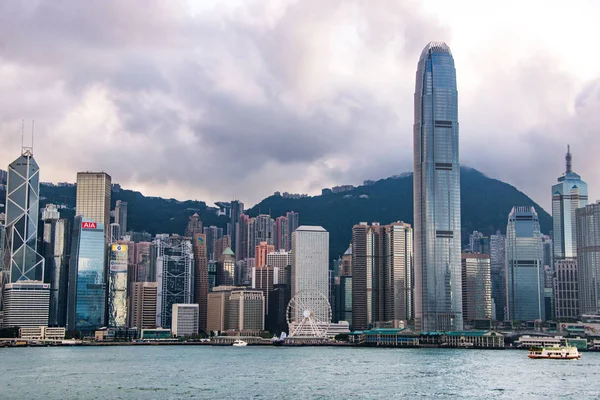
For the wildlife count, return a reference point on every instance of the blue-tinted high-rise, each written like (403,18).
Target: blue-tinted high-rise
(86,303)
(524,266)
(569,194)
(437,250)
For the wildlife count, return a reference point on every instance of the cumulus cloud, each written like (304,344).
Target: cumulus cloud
(245,98)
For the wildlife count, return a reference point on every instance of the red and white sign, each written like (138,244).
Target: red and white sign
(88,225)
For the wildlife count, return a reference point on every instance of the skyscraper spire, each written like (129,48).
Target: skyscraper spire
(568,158)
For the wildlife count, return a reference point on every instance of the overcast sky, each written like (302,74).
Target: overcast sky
(214,99)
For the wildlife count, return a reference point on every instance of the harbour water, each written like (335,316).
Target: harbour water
(199,372)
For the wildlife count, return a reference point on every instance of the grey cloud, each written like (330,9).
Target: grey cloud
(248,102)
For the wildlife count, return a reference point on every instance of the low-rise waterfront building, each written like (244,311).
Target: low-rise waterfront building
(475,339)
(155,334)
(42,333)
(185,320)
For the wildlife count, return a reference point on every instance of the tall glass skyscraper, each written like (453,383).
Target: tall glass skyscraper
(87,278)
(524,266)
(437,251)
(569,194)
(21,259)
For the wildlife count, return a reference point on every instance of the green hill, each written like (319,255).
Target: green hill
(485,203)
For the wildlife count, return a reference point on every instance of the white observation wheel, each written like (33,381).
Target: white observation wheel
(308,314)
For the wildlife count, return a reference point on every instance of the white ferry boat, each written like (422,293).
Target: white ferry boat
(557,352)
(239,343)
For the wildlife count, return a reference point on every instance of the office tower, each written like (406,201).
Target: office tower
(3,177)
(346,265)
(201,278)
(497,275)
(524,269)
(476,287)
(479,243)
(218,308)
(549,284)
(143,305)
(93,198)
(282,260)
(121,217)
(292,224)
(367,271)
(2,215)
(56,256)
(26,303)
(310,267)
(281,233)
(246,311)
(185,319)
(344,299)
(279,298)
(220,246)
(242,237)
(569,194)
(398,259)
(547,246)
(226,269)
(243,272)
(86,303)
(115,231)
(174,275)
(237,231)
(264,279)
(588,258)
(212,275)
(194,226)
(566,290)
(21,259)
(143,272)
(212,235)
(261,251)
(264,231)
(331,290)
(438,302)
(117,286)
(337,264)
(381,274)
(251,236)
(548,264)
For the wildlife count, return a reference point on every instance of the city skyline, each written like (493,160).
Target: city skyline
(332,103)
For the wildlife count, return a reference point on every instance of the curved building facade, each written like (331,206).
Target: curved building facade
(437,250)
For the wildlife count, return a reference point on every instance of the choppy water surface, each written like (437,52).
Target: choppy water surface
(197,372)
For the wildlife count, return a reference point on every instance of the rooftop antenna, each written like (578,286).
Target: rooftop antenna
(568,158)
(22,134)
(26,150)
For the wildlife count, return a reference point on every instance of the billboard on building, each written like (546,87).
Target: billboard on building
(118,258)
